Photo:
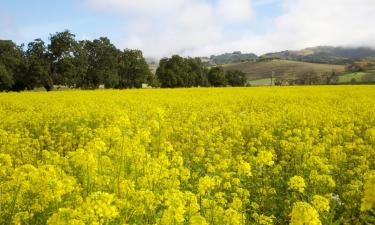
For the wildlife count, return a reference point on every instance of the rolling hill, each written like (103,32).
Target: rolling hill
(325,54)
(228,58)
(284,69)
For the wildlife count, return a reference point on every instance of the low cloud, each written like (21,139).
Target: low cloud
(165,27)
(234,10)
(327,22)
(204,27)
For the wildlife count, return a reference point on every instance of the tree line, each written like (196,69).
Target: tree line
(86,64)
(68,62)
(191,72)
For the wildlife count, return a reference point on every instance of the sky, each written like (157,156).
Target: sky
(161,28)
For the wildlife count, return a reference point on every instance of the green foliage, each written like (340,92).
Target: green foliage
(181,72)
(236,78)
(71,63)
(234,57)
(198,72)
(361,71)
(133,69)
(348,77)
(10,61)
(62,45)
(103,63)
(39,66)
(324,54)
(216,77)
(190,72)
(6,79)
(61,49)
(82,60)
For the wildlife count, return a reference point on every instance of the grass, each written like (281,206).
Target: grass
(357,77)
(347,78)
(261,82)
(282,69)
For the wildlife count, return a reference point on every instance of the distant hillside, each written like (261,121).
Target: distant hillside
(282,69)
(228,58)
(325,54)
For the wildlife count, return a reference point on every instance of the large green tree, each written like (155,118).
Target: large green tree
(181,72)
(216,77)
(38,62)
(62,49)
(81,65)
(165,75)
(235,78)
(102,63)
(133,69)
(170,72)
(198,72)
(11,60)
(6,78)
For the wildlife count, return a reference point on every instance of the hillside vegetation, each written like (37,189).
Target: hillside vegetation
(325,54)
(282,69)
(228,58)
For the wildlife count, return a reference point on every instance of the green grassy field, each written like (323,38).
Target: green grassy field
(281,68)
(261,82)
(357,77)
(349,77)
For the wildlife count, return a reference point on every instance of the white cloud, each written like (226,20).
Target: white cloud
(200,27)
(165,27)
(234,10)
(137,6)
(327,22)
(191,26)
(306,23)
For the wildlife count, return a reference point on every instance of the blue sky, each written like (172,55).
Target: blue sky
(38,18)
(195,27)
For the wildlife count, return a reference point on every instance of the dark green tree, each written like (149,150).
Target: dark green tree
(181,72)
(235,78)
(171,72)
(11,63)
(81,64)
(62,49)
(6,79)
(133,69)
(216,77)
(166,80)
(103,59)
(38,63)
(198,72)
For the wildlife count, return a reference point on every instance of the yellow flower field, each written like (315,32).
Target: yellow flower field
(271,155)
